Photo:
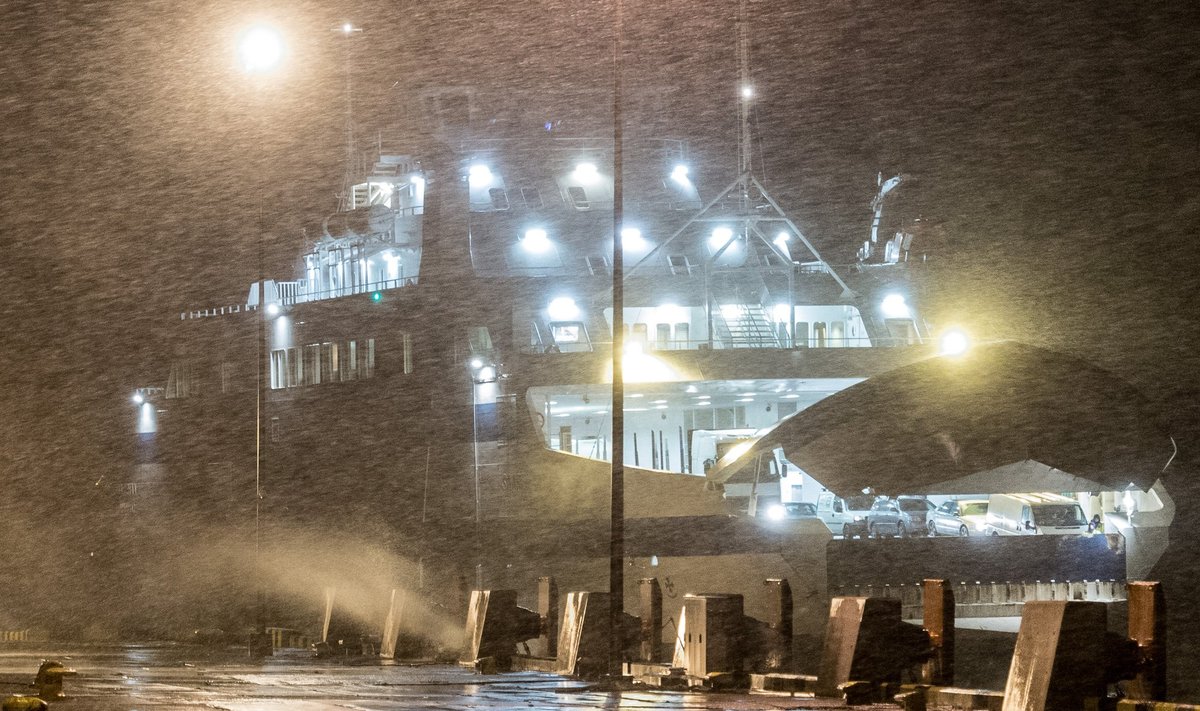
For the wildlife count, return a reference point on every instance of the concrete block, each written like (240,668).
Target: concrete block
(965,699)
(495,625)
(866,640)
(1059,658)
(583,638)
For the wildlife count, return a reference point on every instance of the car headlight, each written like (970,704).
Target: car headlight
(980,526)
(858,519)
(776,512)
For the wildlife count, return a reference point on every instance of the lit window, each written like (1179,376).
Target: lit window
(565,333)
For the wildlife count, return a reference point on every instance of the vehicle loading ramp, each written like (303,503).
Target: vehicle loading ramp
(920,427)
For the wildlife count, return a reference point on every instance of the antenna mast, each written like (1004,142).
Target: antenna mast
(746,89)
(345,201)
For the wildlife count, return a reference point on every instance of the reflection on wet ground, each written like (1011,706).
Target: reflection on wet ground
(178,677)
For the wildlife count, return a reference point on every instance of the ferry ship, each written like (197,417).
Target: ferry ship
(435,382)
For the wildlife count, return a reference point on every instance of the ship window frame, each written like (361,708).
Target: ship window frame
(582,342)
(536,203)
(680,263)
(597,264)
(498,199)
(578,198)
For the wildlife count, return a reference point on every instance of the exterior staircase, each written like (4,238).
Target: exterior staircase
(748,328)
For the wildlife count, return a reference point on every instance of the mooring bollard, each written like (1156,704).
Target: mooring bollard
(49,679)
(938,615)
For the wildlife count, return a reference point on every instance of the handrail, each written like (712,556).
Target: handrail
(293,292)
(848,344)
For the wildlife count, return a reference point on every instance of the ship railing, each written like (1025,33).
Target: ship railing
(299,292)
(216,311)
(718,345)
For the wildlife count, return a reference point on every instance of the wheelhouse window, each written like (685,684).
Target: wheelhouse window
(570,336)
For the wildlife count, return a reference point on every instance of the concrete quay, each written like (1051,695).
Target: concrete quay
(112,678)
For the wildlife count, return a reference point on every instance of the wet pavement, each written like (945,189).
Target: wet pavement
(180,677)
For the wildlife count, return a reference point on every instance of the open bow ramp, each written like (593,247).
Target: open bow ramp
(956,424)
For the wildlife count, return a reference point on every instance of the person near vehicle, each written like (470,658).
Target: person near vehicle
(1096,525)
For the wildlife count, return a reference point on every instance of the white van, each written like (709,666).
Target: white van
(845,517)
(1034,514)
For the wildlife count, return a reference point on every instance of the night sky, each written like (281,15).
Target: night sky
(1053,149)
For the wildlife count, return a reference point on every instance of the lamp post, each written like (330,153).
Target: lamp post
(260,51)
(616,551)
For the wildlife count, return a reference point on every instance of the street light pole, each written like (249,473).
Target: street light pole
(260,50)
(616,562)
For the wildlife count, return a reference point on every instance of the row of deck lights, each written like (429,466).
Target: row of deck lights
(480,175)
(537,241)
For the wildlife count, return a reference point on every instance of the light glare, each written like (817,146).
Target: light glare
(260,49)
(586,173)
(955,343)
(480,175)
(563,308)
(536,241)
(894,306)
(631,238)
(720,236)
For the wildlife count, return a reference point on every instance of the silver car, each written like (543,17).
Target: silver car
(964,517)
(920,513)
(886,517)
